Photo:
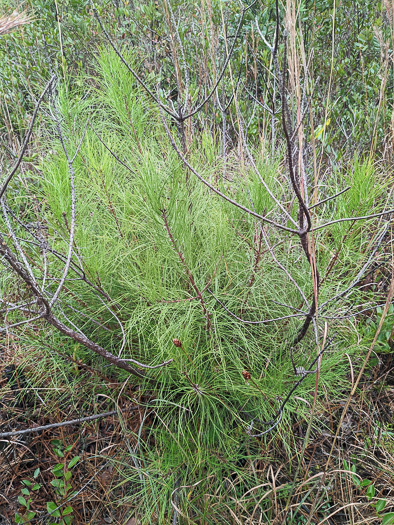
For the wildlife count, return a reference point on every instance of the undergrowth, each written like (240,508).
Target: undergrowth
(149,234)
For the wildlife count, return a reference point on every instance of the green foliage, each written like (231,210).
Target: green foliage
(384,343)
(127,215)
(62,489)
(25,515)
(370,491)
(203,403)
(64,35)
(388,519)
(360,31)
(56,41)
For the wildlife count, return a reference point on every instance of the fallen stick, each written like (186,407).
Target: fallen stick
(57,425)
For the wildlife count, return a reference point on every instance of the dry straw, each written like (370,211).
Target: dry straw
(10,22)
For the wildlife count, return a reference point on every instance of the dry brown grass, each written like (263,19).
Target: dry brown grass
(100,444)
(103,445)
(13,21)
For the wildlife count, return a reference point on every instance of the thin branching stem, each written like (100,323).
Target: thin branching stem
(27,137)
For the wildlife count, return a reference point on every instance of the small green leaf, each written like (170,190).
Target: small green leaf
(380,505)
(26,482)
(18,518)
(22,501)
(67,475)
(356,481)
(67,511)
(388,519)
(30,515)
(36,472)
(57,483)
(370,492)
(67,449)
(365,482)
(53,510)
(58,470)
(36,487)
(25,492)
(73,462)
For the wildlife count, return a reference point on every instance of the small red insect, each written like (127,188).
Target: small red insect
(246,375)
(177,343)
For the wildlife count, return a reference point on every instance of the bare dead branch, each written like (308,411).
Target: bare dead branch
(329,199)
(46,313)
(112,153)
(132,71)
(218,192)
(178,116)
(289,143)
(230,53)
(73,199)
(263,321)
(14,325)
(43,428)
(27,138)
(347,219)
(15,241)
(274,422)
